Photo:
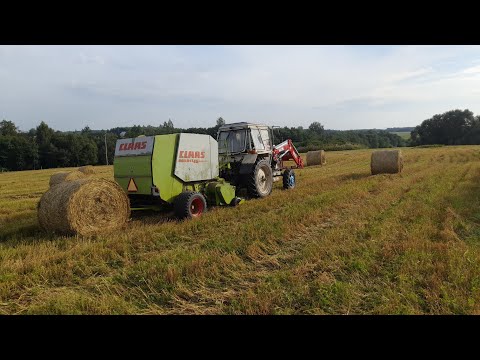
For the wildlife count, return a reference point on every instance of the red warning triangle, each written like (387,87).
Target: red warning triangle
(132,187)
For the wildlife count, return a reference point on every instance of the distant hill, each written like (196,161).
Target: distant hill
(400,129)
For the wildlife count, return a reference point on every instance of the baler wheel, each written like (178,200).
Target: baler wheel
(189,205)
(235,201)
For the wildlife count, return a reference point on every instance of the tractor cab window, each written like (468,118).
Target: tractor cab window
(257,139)
(232,141)
(266,139)
(261,139)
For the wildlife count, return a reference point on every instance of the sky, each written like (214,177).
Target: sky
(342,87)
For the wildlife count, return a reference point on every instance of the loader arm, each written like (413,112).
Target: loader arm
(286,151)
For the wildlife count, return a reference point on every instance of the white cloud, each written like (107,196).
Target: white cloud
(472,70)
(94,59)
(410,74)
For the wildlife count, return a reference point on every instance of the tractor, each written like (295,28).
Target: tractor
(248,159)
(189,171)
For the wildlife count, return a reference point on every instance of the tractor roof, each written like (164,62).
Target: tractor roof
(240,125)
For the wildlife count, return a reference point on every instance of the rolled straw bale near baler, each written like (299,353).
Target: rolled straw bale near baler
(386,162)
(84,206)
(60,177)
(87,169)
(316,158)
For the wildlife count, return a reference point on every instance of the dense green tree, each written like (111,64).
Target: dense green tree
(472,136)
(86,130)
(43,134)
(220,121)
(316,127)
(8,128)
(134,131)
(453,127)
(17,153)
(46,150)
(88,151)
(168,125)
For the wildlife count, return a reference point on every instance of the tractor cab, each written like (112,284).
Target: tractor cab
(244,138)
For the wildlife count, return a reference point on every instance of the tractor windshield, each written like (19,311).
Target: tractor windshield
(232,141)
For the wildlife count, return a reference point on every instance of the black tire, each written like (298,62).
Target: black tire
(235,201)
(260,182)
(189,205)
(289,180)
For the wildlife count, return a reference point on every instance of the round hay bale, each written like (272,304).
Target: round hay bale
(87,169)
(386,162)
(316,158)
(85,206)
(60,177)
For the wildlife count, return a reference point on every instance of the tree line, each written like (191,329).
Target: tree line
(454,127)
(43,147)
(316,137)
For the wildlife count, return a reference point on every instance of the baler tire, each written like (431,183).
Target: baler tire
(189,204)
(235,201)
(254,186)
(288,182)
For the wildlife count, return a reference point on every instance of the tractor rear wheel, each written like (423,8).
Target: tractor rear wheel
(289,180)
(189,205)
(260,182)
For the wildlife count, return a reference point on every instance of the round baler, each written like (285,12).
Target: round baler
(177,169)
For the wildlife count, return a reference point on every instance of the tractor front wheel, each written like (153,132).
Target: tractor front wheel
(289,179)
(189,205)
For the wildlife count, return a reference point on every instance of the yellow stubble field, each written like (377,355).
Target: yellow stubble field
(341,242)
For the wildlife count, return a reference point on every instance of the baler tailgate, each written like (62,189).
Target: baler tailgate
(133,164)
(137,169)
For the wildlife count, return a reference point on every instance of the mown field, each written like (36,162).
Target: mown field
(342,242)
(403,135)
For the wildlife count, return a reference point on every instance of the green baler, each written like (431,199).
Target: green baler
(177,169)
